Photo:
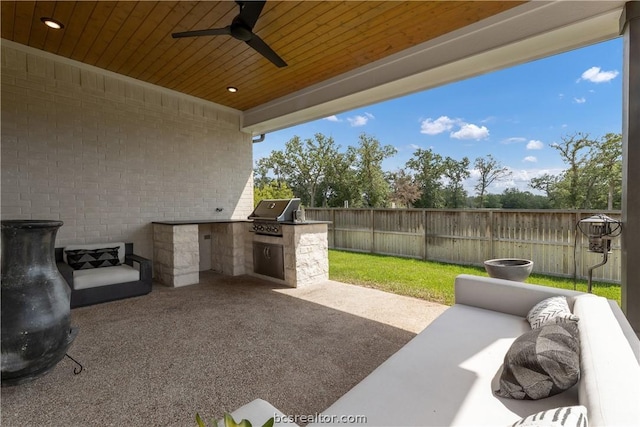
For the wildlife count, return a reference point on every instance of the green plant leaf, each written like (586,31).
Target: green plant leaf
(230,422)
(199,421)
(269,422)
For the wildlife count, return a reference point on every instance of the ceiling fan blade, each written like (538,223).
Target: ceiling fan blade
(250,12)
(262,48)
(210,32)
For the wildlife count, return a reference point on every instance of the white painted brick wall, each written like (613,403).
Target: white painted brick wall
(108,155)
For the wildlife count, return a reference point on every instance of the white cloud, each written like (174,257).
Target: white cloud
(443,124)
(439,125)
(580,100)
(596,75)
(414,146)
(534,144)
(333,118)
(514,140)
(359,120)
(471,131)
(530,159)
(474,174)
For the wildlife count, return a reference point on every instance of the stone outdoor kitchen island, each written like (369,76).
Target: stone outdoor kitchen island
(181,251)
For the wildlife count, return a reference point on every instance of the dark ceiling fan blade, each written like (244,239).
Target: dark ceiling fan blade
(262,48)
(210,32)
(250,12)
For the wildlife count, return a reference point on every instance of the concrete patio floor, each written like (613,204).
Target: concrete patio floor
(212,347)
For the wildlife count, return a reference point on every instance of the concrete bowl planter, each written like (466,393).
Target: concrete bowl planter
(509,268)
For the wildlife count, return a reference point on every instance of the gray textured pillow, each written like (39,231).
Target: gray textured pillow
(541,362)
(569,416)
(548,310)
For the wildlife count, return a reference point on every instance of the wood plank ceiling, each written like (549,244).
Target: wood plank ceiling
(318,39)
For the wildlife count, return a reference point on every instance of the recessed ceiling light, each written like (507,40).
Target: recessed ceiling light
(232,89)
(52,23)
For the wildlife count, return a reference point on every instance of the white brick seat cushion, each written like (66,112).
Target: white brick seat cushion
(84,279)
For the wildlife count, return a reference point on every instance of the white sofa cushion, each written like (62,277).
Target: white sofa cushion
(120,245)
(445,376)
(83,279)
(610,383)
(505,296)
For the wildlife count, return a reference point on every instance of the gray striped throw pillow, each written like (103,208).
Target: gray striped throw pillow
(570,416)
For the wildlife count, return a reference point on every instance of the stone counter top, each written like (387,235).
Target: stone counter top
(230,221)
(200,221)
(304,222)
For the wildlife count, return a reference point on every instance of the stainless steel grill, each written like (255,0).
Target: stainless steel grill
(269,213)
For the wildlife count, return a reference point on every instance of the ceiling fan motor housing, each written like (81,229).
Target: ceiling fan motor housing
(240,30)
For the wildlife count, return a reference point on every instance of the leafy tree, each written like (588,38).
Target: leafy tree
(604,171)
(456,171)
(428,168)
(342,183)
(304,165)
(404,189)
(512,198)
(490,171)
(593,179)
(272,163)
(369,155)
(271,190)
(493,201)
(548,184)
(574,151)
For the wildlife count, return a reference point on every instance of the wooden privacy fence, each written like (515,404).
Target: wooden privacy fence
(461,236)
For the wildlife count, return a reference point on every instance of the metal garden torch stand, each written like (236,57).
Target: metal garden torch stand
(600,229)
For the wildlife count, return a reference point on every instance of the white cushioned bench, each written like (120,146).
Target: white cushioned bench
(447,374)
(131,277)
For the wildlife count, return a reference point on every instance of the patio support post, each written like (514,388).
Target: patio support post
(630,30)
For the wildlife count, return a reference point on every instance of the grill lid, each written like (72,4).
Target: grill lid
(275,209)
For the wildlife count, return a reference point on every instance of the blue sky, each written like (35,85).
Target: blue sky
(514,114)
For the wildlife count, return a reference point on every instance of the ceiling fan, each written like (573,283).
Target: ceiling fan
(241,28)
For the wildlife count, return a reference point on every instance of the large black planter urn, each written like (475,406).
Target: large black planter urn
(36,326)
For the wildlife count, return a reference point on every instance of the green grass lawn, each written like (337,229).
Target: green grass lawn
(429,280)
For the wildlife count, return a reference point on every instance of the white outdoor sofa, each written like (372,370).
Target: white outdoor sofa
(131,277)
(446,375)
